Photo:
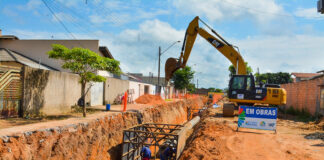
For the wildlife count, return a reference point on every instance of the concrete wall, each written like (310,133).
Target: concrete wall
(49,92)
(304,94)
(113,87)
(36,49)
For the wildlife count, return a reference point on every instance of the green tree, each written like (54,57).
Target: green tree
(273,78)
(85,63)
(233,71)
(211,89)
(218,90)
(215,90)
(182,78)
(191,88)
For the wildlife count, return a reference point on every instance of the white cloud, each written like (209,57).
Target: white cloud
(121,18)
(63,17)
(302,53)
(113,18)
(9,12)
(309,13)
(215,10)
(141,14)
(32,4)
(71,3)
(137,50)
(116,5)
(123,12)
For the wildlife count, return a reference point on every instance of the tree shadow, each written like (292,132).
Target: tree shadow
(315,136)
(318,145)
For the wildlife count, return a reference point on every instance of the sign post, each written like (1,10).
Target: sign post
(264,118)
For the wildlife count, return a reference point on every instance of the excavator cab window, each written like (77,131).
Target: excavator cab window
(238,83)
(248,83)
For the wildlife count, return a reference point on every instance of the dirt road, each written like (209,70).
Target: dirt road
(215,137)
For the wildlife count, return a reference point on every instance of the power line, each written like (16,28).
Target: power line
(67,30)
(60,6)
(71,19)
(75,17)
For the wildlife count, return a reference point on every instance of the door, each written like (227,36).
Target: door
(97,93)
(146,89)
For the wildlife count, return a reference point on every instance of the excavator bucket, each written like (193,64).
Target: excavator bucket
(170,68)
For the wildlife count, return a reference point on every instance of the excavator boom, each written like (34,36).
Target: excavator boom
(242,88)
(173,64)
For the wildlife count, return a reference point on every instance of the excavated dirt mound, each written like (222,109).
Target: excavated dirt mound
(149,99)
(98,136)
(215,137)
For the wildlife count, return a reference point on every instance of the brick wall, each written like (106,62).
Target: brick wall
(304,94)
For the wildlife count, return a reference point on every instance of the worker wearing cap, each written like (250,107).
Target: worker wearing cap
(146,153)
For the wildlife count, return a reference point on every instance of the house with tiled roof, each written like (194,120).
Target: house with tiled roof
(297,77)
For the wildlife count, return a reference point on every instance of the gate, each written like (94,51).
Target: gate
(10,91)
(97,93)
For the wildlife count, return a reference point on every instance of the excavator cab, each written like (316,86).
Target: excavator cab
(241,87)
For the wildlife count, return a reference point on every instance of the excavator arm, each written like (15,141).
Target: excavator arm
(173,64)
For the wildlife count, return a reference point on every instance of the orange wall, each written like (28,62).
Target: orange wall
(304,94)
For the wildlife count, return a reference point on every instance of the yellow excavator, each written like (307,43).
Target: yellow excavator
(242,89)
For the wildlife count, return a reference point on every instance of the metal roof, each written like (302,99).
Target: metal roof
(7,55)
(8,37)
(105,51)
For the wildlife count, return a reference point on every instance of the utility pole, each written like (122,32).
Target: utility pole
(197,83)
(159,70)
(160,53)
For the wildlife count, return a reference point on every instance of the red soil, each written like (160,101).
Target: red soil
(215,137)
(149,99)
(217,97)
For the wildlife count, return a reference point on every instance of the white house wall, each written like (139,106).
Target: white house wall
(138,88)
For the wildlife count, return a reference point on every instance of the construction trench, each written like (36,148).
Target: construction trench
(100,136)
(118,135)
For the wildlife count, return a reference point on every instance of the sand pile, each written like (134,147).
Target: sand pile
(149,99)
(217,97)
(207,142)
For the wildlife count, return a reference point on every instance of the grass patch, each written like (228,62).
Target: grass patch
(301,115)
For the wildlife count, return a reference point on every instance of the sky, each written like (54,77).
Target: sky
(272,35)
